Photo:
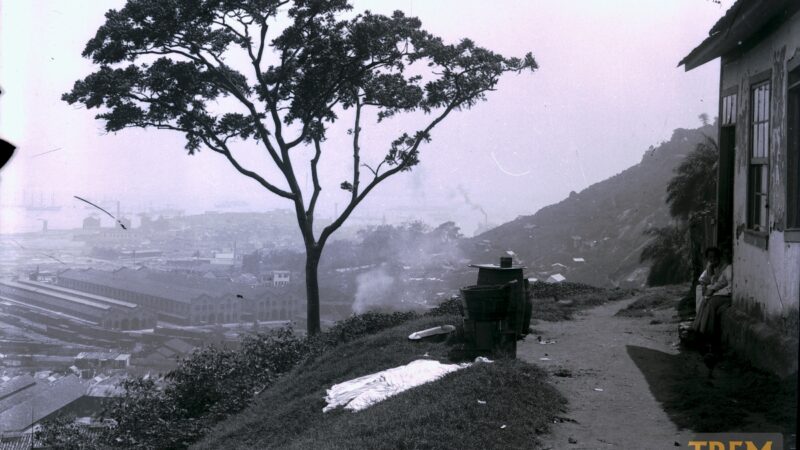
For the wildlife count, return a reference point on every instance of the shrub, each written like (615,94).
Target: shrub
(541,289)
(449,307)
(210,385)
(368,323)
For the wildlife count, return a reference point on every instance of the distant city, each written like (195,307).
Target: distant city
(83,308)
(125,294)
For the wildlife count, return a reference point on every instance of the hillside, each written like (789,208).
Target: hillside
(504,404)
(604,224)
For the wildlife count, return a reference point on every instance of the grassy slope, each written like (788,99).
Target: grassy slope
(443,414)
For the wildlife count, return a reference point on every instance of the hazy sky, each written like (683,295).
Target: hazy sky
(608,87)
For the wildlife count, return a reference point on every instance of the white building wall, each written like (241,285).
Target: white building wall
(766,281)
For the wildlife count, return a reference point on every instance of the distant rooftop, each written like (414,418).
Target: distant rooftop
(15,385)
(102,356)
(61,393)
(40,291)
(99,298)
(128,280)
(179,345)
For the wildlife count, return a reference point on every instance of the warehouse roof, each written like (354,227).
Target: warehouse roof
(63,296)
(15,385)
(129,281)
(60,394)
(99,298)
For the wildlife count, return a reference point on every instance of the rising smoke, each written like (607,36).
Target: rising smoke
(474,206)
(413,275)
(375,291)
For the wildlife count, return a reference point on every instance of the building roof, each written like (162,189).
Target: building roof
(23,395)
(102,356)
(179,346)
(73,292)
(19,442)
(172,285)
(39,291)
(165,352)
(15,385)
(743,21)
(60,394)
(108,387)
(129,280)
(556,278)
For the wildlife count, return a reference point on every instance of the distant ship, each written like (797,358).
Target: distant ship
(41,206)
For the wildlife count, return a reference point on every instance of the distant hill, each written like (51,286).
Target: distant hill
(604,224)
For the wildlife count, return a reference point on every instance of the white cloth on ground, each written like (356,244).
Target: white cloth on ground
(360,393)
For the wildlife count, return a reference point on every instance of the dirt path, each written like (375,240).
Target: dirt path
(610,402)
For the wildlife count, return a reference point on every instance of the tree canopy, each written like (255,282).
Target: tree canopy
(691,192)
(320,62)
(279,73)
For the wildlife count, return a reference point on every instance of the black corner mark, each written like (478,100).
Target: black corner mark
(6,151)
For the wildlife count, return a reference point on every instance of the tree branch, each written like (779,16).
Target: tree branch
(330,229)
(356,149)
(231,88)
(249,173)
(221,147)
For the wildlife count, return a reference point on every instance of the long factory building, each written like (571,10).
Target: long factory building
(181,300)
(97,310)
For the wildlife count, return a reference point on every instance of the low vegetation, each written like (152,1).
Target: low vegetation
(553,302)
(504,404)
(269,393)
(207,387)
(655,299)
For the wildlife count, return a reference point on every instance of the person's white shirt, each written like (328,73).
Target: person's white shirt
(720,282)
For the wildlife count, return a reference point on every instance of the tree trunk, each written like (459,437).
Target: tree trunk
(312,290)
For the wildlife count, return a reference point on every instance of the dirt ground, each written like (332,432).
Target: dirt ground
(629,386)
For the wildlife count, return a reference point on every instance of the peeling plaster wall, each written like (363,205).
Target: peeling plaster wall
(766,282)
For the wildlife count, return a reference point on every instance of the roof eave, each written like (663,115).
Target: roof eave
(750,18)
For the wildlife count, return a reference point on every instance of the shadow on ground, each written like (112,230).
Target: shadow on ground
(738,398)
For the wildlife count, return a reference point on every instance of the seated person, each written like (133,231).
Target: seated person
(716,286)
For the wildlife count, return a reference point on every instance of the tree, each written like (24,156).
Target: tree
(668,251)
(169,64)
(62,432)
(691,195)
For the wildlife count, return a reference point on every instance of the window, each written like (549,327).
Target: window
(758,173)
(793,156)
(729,110)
